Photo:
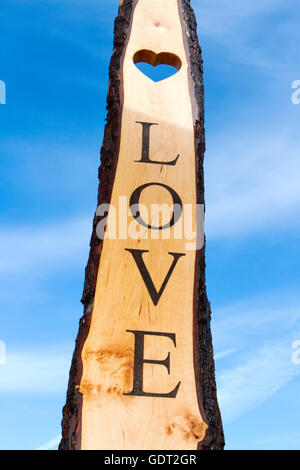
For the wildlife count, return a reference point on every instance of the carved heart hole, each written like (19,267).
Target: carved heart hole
(157,67)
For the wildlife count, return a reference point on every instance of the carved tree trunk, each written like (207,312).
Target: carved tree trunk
(142,374)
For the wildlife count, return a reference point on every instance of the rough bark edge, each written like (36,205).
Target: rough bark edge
(203,349)
(71,422)
(204,361)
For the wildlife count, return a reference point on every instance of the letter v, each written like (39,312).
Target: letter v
(138,258)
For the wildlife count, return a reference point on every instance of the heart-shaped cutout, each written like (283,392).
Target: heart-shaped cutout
(157,67)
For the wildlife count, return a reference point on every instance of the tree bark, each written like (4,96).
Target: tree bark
(202,348)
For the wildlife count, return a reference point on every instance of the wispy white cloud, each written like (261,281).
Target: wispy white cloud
(41,371)
(46,246)
(252,320)
(248,385)
(260,331)
(221,354)
(248,32)
(52,444)
(252,181)
(278,442)
(222,16)
(47,162)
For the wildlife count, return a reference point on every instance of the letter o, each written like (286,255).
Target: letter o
(135,199)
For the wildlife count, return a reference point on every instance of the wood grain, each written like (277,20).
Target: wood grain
(106,417)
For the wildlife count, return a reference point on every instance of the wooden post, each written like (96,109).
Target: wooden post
(142,375)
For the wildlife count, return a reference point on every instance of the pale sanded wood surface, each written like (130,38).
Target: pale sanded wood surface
(110,419)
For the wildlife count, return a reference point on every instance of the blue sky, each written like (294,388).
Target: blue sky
(54,60)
